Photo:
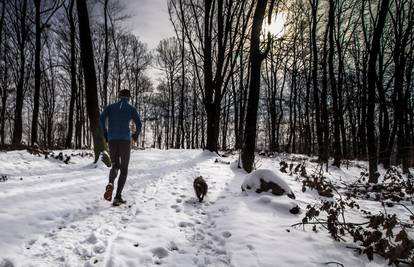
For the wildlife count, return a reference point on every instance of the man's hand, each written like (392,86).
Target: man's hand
(135,136)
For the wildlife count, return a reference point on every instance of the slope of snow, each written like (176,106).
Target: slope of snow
(53,214)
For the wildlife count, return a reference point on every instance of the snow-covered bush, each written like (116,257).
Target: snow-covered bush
(265,180)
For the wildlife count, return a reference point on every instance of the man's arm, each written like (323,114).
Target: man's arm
(137,121)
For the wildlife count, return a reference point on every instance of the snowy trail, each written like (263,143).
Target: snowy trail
(54,202)
(55,216)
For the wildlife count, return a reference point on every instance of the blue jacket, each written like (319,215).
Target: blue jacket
(119,115)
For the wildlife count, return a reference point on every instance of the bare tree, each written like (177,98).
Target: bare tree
(256,58)
(91,91)
(19,9)
(372,76)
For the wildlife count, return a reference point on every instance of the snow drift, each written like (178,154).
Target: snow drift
(265,180)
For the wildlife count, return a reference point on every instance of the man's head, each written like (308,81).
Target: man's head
(124,94)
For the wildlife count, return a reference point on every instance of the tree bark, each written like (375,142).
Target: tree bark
(37,74)
(106,56)
(4,77)
(256,58)
(22,38)
(91,91)
(73,84)
(372,76)
(332,78)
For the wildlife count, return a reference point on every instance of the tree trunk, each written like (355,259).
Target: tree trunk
(209,87)
(37,74)
(18,121)
(372,76)
(332,78)
(106,56)
(256,58)
(91,91)
(172,108)
(4,84)
(79,109)
(384,122)
(324,98)
(180,139)
(73,85)
(315,65)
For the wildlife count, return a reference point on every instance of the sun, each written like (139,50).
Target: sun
(277,25)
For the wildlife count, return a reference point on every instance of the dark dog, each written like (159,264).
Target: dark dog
(200,188)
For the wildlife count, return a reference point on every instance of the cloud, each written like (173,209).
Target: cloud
(150,20)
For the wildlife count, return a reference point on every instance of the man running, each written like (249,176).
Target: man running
(118,135)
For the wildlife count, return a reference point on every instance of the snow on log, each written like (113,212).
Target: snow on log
(265,180)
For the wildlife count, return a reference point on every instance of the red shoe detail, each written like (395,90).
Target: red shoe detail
(108,192)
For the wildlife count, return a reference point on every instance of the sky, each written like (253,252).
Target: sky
(150,22)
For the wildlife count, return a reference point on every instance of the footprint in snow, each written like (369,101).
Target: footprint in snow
(172,246)
(83,252)
(29,244)
(92,239)
(106,232)
(160,252)
(221,252)
(199,237)
(226,234)
(176,207)
(185,224)
(223,209)
(60,259)
(51,234)
(6,263)
(212,225)
(216,238)
(99,249)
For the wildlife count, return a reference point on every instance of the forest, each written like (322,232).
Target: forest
(335,81)
(297,113)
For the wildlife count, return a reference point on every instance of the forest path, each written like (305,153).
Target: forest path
(60,218)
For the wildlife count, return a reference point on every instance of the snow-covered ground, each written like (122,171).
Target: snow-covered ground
(53,214)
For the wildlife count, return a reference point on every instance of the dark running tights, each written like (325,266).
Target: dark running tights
(119,151)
